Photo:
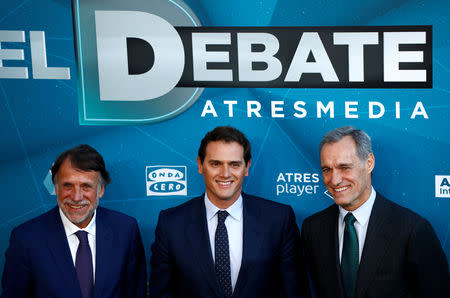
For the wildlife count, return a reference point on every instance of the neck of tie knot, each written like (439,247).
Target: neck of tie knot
(83,237)
(349,219)
(222,215)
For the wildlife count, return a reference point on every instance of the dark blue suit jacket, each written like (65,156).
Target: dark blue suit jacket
(39,264)
(402,256)
(182,263)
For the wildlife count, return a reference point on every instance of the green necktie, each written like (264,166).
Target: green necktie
(350,256)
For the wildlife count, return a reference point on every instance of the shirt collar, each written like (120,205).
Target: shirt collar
(71,228)
(362,214)
(234,210)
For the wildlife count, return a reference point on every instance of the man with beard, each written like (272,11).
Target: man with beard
(76,249)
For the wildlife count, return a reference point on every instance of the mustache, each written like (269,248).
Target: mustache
(80,203)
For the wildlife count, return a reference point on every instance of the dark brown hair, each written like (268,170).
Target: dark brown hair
(85,158)
(226,134)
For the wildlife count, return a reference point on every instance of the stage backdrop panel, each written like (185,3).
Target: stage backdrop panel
(41,117)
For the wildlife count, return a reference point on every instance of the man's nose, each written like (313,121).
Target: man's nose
(336,178)
(78,194)
(225,171)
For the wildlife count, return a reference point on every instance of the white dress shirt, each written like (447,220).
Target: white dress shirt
(234,225)
(73,241)
(362,215)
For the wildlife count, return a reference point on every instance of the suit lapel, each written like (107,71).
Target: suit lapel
(376,244)
(198,238)
(332,234)
(59,248)
(251,242)
(104,248)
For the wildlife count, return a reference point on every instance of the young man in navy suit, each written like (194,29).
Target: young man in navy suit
(365,245)
(76,249)
(226,243)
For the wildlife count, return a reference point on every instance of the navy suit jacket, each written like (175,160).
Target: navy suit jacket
(182,263)
(39,263)
(402,256)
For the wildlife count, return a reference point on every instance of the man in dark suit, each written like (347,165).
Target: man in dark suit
(76,249)
(227,243)
(365,245)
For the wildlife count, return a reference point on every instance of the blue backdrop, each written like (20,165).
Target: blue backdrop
(39,119)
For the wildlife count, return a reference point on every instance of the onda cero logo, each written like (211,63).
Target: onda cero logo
(166,180)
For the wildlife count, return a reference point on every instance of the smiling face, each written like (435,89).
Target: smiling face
(346,176)
(78,193)
(223,170)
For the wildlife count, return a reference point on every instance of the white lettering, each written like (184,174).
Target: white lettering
(356,42)
(201,57)
(393,56)
(310,43)
(246,57)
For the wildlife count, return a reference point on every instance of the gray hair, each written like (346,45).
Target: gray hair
(362,140)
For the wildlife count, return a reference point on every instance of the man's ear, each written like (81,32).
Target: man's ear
(247,167)
(102,191)
(200,166)
(370,163)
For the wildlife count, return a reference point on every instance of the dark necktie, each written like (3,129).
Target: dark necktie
(83,265)
(222,255)
(350,256)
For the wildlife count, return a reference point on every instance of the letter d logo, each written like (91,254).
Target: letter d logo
(110,91)
(112,29)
